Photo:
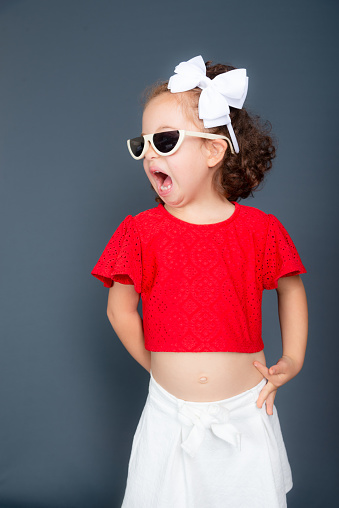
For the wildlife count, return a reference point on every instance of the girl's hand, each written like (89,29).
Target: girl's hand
(276,376)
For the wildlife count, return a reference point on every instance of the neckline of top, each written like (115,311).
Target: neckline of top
(221,223)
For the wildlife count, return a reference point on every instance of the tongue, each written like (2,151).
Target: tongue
(167,181)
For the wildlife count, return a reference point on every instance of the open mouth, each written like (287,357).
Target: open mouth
(164,181)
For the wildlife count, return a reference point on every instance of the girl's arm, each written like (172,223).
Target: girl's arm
(122,312)
(293,317)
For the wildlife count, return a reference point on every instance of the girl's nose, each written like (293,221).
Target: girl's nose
(150,153)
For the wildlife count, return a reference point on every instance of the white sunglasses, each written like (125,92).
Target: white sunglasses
(166,143)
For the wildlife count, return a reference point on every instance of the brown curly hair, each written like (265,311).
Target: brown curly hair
(239,175)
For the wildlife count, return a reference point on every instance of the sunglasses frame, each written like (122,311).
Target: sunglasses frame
(148,139)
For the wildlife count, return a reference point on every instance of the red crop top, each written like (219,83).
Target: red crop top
(201,285)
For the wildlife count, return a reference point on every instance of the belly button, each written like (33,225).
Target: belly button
(203,380)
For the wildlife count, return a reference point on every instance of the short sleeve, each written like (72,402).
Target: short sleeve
(281,258)
(121,258)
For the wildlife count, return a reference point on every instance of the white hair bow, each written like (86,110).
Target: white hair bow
(226,89)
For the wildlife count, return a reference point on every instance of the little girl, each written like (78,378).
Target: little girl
(209,434)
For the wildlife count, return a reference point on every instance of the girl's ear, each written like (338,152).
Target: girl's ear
(216,151)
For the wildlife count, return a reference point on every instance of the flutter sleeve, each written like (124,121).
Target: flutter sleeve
(121,258)
(281,257)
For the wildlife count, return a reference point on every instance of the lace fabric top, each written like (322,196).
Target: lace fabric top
(201,285)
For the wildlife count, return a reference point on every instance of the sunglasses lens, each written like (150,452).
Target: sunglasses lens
(137,145)
(166,141)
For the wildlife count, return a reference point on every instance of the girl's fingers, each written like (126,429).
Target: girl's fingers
(261,368)
(267,394)
(272,374)
(270,402)
(263,396)
(269,391)
(276,369)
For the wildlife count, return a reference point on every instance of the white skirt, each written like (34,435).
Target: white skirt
(227,453)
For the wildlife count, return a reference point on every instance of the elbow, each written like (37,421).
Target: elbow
(110,315)
(120,314)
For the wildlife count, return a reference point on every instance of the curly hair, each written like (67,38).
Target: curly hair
(238,175)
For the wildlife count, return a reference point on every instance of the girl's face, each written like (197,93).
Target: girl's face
(185,176)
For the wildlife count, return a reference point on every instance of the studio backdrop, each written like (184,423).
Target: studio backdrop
(71,78)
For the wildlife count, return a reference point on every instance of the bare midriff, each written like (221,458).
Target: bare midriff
(206,377)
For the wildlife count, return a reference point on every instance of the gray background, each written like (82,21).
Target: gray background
(71,77)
